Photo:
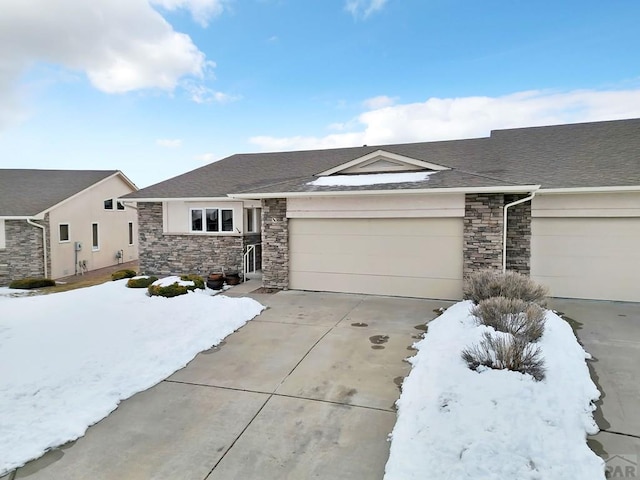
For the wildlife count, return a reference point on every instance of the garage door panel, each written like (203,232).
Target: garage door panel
(363,245)
(595,258)
(411,256)
(407,265)
(379,285)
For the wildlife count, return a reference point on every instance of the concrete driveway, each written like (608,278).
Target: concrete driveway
(305,390)
(610,332)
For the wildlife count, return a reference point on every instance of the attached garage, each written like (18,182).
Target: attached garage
(579,253)
(410,257)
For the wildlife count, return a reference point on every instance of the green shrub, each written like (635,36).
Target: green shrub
(167,291)
(120,274)
(196,279)
(141,282)
(512,315)
(490,283)
(506,352)
(30,283)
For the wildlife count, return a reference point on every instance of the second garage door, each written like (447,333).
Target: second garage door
(595,258)
(409,257)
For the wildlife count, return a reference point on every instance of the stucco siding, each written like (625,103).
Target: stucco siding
(80,212)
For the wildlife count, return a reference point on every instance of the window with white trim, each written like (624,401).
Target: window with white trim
(130,233)
(108,204)
(120,205)
(95,237)
(211,220)
(63,232)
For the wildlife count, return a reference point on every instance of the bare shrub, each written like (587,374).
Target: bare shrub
(492,283)
(512,315)
(506,352)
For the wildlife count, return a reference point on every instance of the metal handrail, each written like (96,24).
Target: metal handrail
(249,260)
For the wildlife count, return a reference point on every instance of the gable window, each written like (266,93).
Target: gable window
(130,233)
(120,206)
(108,204)
(95,240)
(211,220)
(63,232)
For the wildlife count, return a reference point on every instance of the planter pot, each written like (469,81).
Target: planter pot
(215,284)
(232,278)
(215,276)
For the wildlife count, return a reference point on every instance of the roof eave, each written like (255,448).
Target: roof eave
(406,191)
(606,189)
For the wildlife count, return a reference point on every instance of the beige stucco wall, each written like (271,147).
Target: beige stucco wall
(380,206)
(586,205)
(177,215)
(80,212)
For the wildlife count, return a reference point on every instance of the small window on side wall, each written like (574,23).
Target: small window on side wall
(95,239)
(130,233)
(108,204)
(120,206)
(63,232)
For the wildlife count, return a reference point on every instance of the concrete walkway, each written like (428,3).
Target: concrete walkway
(306,390)
(610,332)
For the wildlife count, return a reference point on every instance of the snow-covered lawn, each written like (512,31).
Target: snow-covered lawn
(68,359)
(455,423)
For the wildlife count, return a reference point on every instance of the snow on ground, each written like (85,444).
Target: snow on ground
(369,179)
(165,282)
(68,359)
(455,423)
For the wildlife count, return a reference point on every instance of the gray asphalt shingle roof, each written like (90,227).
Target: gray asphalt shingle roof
(25,192)
(564,156)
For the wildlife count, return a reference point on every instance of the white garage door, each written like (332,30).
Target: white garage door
(596,258)
(409,257)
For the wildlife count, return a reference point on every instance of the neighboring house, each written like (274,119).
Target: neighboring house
(56,223)
(327,225)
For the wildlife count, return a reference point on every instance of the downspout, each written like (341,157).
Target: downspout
(504,227)
(44,245)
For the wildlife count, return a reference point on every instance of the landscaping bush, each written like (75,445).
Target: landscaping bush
(141,282)
(30,283)
(120,274)
(168,291)
(491,283)
(196,279)
(176,289)
(512,315)
(506,352)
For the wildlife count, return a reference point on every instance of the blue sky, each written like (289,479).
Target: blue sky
(159,87)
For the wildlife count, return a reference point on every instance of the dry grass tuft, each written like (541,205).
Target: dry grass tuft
(512,315)
(491,283)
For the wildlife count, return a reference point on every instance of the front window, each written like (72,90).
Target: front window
(63,232)
(211,220)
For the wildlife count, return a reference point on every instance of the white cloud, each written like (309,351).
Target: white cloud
(468,117)
(202,94)
(121,45)
(169,142)
(363,8)
(201,10)
(380,101)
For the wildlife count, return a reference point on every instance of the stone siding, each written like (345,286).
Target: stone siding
(23,255)
(518,235)
(275,243)
(482,232)
(166,254)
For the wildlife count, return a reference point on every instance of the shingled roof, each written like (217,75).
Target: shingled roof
(597,154)
(25,193)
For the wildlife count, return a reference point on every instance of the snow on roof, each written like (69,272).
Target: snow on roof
(369,179)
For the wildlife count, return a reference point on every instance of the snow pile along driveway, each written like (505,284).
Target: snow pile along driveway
(68,359)
(455,423)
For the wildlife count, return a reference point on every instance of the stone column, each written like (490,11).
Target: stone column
(518,235)
(482,232)
(275,243)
